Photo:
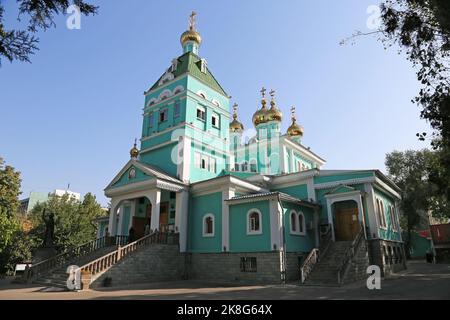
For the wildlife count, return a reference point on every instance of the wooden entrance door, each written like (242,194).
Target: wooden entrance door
(164,217)
(347,224)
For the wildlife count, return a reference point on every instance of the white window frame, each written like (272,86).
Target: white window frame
(251,232)
(203,113)
(381,214)
(302,219)
(393,218)
(208,235)
(294,214)
(164,111)
(217,118)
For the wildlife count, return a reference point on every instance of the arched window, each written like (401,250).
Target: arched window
(178,89)
(294,222)
(393,218)
(254,222)
(208,225)
(381,215)
(301,223)
(202,94)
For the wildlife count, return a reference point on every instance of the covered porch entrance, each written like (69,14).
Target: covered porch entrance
(345,213)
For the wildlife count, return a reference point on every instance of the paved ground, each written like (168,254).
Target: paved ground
(420,281)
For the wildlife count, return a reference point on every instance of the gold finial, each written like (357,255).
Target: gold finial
(272,96)
(235,125)
(263,92)
(192,21)
(293,114)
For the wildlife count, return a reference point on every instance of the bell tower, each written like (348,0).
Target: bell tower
(186,117)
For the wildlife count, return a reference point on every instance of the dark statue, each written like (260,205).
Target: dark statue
(48,249)
(49,235)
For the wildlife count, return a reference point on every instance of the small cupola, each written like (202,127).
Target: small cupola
(235,125)
(191,39)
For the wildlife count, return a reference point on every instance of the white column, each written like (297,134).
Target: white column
(330,218)
(283,160)
(112,217)
(119,223)
(155,199)
(133,211)
(293,168)
(184,160)
(311,190)
(226,194)
(181,218)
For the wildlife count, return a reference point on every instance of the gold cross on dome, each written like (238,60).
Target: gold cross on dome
(293,112)
(192,21)
(263,92)
(272,93)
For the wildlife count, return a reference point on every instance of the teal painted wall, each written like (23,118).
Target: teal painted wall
(339,177)
(102,225)
(418,246)
(239,240)
(198,208)
(126,220)
(294,242)
(124,179)
(299,191)
(161,158)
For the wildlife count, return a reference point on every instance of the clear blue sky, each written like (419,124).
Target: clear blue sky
(72,115)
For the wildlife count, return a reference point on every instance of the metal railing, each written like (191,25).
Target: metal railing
(69,255)
(349,255)
(314,256)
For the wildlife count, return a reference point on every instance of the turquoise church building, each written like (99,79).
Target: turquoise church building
(244,207)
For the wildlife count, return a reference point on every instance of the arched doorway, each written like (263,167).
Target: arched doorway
(346,217)
(142,218)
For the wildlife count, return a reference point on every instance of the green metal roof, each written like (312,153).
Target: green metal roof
(190,63)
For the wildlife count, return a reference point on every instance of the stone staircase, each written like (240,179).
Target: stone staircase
(325,272)
(57,278)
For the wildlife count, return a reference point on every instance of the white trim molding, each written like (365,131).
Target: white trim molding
(251,232)
(338,197)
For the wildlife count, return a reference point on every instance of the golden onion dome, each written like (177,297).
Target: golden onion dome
(235,125)
(295,130)
(134,152)
(190,35)
(274,114)
(260,116)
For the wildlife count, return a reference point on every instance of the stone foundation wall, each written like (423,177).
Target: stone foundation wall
(388,255)
(226,267)
(152,264)
(293,264)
